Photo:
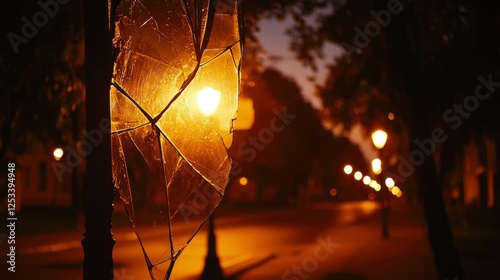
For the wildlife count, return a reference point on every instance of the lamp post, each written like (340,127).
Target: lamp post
(212,269)
(208,100)
(379,139)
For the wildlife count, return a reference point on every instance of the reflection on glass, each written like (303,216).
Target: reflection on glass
(174,97)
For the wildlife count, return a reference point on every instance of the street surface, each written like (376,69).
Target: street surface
(276,244)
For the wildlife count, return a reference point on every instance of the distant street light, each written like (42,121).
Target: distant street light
(243,181)
(395,191)
(377,166)
(358,175)
(379,138)
(366,180)
(58,153)
(389,182)
(347,169)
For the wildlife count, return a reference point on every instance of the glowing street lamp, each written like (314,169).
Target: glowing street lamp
(379,138)
(358,175)
(58,153)
(208,100)
(377,166)
(348,169)
(389,182)
(395,191)
(366,180)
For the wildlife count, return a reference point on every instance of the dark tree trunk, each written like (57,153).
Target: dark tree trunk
(98,192)
(430,187)
(402,43)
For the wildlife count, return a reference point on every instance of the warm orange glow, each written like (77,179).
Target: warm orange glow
(377,166)
(379,138)
(208,100)
(366,180)
(389,182)
(390,116)
(395,190)
(358,175)
(243,181)
(372,196)
(347,169)
(58,153)
(246,114)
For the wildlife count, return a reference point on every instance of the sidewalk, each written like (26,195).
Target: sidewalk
(406,254)
(53,230)
(358,252)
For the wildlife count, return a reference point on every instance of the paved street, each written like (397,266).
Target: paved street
(246,243)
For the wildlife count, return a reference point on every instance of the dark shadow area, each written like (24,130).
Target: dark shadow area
(344,276)
(240,271)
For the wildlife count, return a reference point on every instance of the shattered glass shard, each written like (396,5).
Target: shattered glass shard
(174,99)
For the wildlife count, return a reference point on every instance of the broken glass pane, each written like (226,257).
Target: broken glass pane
(174,99)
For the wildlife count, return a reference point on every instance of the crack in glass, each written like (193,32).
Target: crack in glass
(174,97)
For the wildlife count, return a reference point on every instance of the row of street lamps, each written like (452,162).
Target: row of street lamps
(367,180)
(379,139)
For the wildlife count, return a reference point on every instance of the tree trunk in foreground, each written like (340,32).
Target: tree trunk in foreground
(98,192)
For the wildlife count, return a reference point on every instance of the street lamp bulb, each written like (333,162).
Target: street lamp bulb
(373,184)
(379,138)
(208,100)
(389,182)
(378,187)
(366,180)
(358,175)
(58,153)
(395,191)
(347,169)
(377,166)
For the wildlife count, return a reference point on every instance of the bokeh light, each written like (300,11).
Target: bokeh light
(366,180)
(390,116)
(243,181)
(333,192)
(347,169)
(358,175)
(389,182)
(58,153)
(377,166)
